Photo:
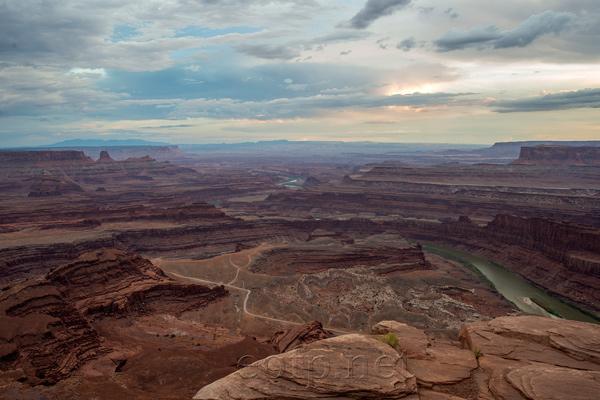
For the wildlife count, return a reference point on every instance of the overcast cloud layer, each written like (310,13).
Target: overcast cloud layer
(232,70)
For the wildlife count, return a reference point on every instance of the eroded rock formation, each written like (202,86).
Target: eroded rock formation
(75,168)
(558,156)
(536,358)
(45,331)
(307,333)
(350,366)
(560,257)
(42,336)
(115,283)
(509,358)
(387,254)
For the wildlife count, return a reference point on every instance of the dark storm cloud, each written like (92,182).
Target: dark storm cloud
(375,9)
(586,98)
(491,36)
(407,44)
(269,51)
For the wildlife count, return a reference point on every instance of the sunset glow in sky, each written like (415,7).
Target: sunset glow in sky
(206,71)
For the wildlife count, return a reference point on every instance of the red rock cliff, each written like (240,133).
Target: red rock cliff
(45,329)
(559,156)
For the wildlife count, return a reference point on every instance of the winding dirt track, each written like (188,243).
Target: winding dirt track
(246,291)
(245,307)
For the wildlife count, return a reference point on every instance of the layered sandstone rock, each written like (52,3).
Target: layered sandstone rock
(412,340)
(576,246)
(518,358)
(23,156)
(537,358)
(386,254)
(307,333)
(45,329)
(75,167)
(563,258)
(112,282)
(159,153)
(42,334)
(561,156)
(433,362)
(346,367)
(105,157)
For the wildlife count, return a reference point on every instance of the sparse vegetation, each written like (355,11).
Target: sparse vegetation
(477,352)
(389,339)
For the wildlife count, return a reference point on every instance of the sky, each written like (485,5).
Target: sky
(219,71)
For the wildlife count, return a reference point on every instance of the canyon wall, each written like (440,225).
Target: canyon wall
(45,323)
(559,257)
(558,156)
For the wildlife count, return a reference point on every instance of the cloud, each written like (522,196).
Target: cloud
(28,90)
(268,51)
(491,36)
(383,43)
(339,36)
(585,98)
(304,107)
(168,126)
(534,27)
(345,53)
(451,13)
(292,49)
(407,44)
(135,35)
(375,9)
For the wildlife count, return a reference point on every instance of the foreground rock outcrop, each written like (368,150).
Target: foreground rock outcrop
(345,367)
(536,358)
(45,323)
(509,358)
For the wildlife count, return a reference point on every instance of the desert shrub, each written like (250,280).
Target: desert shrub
(477,352)
(390,339)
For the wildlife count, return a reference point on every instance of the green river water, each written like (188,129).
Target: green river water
(515,288)
(292,182)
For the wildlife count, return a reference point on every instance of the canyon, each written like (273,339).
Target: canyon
(152,271)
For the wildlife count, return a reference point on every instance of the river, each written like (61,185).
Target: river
(515,288)
(292,182)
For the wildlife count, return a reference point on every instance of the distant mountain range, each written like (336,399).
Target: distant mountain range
(104,143)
